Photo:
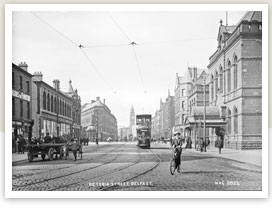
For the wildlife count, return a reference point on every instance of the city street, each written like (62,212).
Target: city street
(123,166)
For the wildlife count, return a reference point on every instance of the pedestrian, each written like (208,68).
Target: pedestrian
(177,143)
(74,148)
(19,144)
(220,144)
(201,144)
(47,138)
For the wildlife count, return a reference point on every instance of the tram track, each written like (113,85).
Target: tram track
(72,173)
(134,176)
(99,176)
(54,169)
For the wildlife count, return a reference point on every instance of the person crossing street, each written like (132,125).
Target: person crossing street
(177,143)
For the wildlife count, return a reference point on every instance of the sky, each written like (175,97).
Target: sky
(107,66)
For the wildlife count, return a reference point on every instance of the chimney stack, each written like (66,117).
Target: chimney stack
(104,101)
(56,84)
(98,98)
(37,76)
(92,101)
(23,65)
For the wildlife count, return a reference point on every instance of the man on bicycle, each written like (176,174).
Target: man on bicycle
(177,143)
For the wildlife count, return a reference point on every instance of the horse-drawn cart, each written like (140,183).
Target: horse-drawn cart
(49,149)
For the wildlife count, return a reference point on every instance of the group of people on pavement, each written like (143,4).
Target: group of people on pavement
(21,143)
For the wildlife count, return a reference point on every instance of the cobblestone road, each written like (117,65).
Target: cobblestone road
(123,166)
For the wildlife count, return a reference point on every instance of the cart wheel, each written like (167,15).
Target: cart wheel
(30,156)
(51,154)
(43,156)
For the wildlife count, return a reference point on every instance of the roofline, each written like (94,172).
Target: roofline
(22,70)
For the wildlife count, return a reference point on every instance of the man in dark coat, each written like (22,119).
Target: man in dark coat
(177,143)
(74,148)
(47,138)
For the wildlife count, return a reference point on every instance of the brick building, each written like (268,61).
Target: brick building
(235,81)
(54,111)
(98,121)
(21,103)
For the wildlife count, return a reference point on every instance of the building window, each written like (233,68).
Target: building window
(235,76)
(216,83)
(21,83)
(235,118)
(183,92)
(221,78)
(52,102)
(13,106)
(182,105)
(13,81)
(27,86)
(55,105)
(212,88)
(21,108)
(48,102)
(28,110)
(44,100)
(229,76)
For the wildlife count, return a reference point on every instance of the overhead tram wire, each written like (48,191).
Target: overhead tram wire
(138,66)
(80,46)
(132,43)
(119,26)
(93,65)
(63,35)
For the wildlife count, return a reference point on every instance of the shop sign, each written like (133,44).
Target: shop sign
(20,95)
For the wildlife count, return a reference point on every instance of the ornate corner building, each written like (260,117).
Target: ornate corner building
(235,81)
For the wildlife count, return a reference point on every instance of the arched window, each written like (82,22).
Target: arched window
(229,76)
(55,105)
(235,76)
(216,83)
(212,88)
(65,111)
(44,100)
(48,102)
(52,102)
(221,78)
(235,118)
(229,121)
(60,107)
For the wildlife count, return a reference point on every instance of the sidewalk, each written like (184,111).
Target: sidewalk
(247,156)
(19,157)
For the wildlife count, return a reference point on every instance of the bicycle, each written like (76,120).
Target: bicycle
(175,159)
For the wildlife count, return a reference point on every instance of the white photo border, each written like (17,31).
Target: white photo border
(9,8)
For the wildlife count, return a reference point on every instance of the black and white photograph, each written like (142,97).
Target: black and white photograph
(136,98)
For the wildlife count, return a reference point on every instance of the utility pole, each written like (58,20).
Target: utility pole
(204,115)
(96,127)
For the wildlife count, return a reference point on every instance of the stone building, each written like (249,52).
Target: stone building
(21,103)
(53,110)
(235,81)
(98,122)
(188,93)
(164,119)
